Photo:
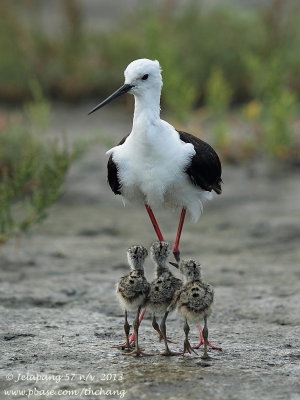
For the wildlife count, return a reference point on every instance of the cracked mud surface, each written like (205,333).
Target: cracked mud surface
(59,314)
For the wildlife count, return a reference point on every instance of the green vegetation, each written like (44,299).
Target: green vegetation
(32,167)
(215,57)
(242,42)
(238,65)
(218,96)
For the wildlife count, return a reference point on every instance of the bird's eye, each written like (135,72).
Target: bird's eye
(144,77)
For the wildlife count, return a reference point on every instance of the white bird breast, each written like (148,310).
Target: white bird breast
(151,169)
(131,305)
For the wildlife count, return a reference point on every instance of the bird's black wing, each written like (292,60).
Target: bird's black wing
(205,168)
(112,172)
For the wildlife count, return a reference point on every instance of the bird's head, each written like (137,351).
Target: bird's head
(191,269)
(136,256)
(160,252)
(142,77)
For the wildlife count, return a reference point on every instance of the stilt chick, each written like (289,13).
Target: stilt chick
(162,291)
(194,302)
(132,291)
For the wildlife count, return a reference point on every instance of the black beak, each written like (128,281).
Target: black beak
(122,90)
(174,264)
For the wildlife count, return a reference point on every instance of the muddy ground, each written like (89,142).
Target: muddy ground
(59,314)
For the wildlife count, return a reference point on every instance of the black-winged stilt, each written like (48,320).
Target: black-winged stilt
(162,291)
(194,302)
(132,291)
(156,165)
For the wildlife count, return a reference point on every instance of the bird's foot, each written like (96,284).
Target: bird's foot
(169,353)
(161,337)
(205,356)
(137,353)
(132,338)
(128,345)
(188,348)
(209,344)
(123,346)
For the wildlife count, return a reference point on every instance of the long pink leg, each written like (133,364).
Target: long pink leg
(176,251)
(154,223)
(131,338)
(161,239)
(201,341)
(141,317)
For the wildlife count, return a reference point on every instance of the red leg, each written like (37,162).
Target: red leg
(154,223)
(176,251)
(132,336)
(201,341)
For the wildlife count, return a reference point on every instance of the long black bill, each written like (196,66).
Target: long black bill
(122,90)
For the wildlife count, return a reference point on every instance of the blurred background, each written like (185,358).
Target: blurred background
(231,76)
(230,70)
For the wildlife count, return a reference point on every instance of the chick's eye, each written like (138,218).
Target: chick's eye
(144,77)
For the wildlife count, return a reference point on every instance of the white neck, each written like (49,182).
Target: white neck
(146,109)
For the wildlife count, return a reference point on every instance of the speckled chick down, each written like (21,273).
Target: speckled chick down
(163,288)
(196,297)
(133,289)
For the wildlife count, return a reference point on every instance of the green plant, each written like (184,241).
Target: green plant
(276,124)
(278,104)
(218,96)
(32,169)
(255,50)
(187,40)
